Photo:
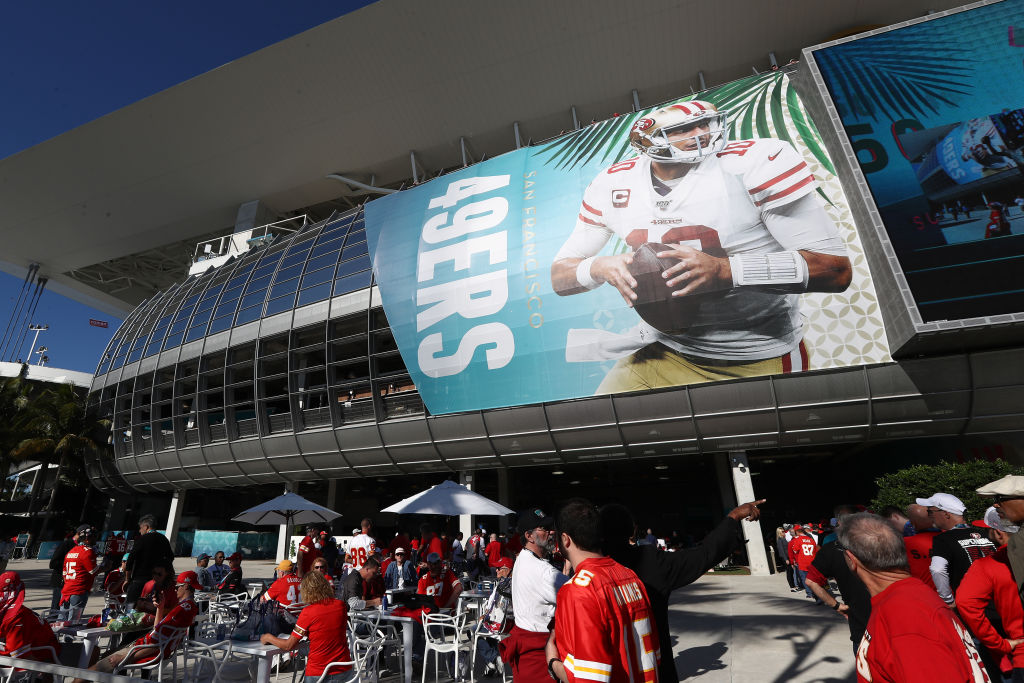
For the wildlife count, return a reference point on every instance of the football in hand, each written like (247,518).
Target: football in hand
(654,301)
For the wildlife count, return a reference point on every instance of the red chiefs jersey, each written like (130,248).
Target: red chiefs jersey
(919,554)
(440,587)
(285,590)
(324,623)
(27,630)
(603,625)
(182,616)
(310,551)
(79,571)
(913,636)
(802,550)
(990,580)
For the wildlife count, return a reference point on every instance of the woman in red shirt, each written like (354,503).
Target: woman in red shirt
(323,621)
(21,629)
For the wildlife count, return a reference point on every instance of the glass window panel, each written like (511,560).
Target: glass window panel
(356,236)
(354,266)
(212,293)
(118,362)
(158,335)
(321,262)
(226,309)
(221,324)
(183,313)
(322,275)
(352,283)
(179,326)
(239,280)
(278,305)
(288,273)
(327,247)
(153,348)
(231,295)
(264,270)
(295,257)
(247,315)
(201,317)
(165,321)
(196,333)
(173,341)
(191,301)
(253,299)
(258,283)
(340,224)
(317,293)
(284,288)
(135,355)
(353,251)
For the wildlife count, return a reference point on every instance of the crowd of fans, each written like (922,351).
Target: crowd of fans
(928,593)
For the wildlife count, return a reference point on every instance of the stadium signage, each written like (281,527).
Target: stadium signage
(486,288)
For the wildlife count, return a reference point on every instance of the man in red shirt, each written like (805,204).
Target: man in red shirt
(495,550)
(919,544)
(912,635)
(165,635)
(286,588)
(429,542)
(440,583)
(309,550)
(802,550)
(604,628)
(79,571)
(21,629)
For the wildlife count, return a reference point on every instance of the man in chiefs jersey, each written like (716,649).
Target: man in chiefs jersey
(911,635)
(439,583)
(740,219)
(363,545)
(309,550)
(286,588)
(80,569)
(604,628)
(164,636)
(802,550)
(21,629)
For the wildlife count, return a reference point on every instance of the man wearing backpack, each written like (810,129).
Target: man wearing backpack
(535,583)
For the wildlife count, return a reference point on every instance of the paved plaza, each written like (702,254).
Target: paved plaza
(725,629)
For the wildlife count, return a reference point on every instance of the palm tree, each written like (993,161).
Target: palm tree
(64,429)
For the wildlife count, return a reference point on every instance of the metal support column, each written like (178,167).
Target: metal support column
(174,517)
(283,531)
(466,521)
(503,497)
(636,100)
(744,487)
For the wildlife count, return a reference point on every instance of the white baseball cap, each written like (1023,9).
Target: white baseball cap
(1010,485)
(946,502)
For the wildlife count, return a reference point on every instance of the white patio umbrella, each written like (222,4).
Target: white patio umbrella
(448,498)
(290,508)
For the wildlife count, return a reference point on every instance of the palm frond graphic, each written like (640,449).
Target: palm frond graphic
(758,106)
(886,77)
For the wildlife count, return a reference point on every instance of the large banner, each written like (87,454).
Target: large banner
(718,245)
(934,113)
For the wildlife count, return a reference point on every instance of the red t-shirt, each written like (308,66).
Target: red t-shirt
(802,550)
(323,623)
(913,637)
(604,627)
(919,554)
(440,587)
(79,571)
(180,617)
(307,546)
(28,629)
(431,545)
(494,552)
(285,590)
(990,580)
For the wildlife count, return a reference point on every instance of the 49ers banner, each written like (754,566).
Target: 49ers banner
(702,240)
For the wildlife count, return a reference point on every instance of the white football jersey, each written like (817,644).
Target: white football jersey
(717,207)
(362,547)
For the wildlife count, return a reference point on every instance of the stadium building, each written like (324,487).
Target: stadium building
(282,357)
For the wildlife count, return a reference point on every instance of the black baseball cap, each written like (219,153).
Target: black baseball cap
(531,518)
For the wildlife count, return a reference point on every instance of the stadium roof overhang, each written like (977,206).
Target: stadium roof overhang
(387,93)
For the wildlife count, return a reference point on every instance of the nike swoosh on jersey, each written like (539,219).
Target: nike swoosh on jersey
(771,157)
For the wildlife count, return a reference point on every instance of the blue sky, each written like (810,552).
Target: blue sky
(65,63)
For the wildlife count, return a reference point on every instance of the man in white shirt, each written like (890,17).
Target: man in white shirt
(535,583)
(363,546)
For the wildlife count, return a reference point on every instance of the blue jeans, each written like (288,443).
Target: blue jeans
(799,576)
(73,603)
(340,677)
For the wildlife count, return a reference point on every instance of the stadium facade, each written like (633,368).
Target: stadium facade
(276,362)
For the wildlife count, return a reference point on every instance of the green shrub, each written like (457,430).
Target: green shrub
(961,479)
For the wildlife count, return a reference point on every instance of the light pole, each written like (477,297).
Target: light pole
(37,328)
(42,358)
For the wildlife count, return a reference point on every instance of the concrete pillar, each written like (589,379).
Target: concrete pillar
(744,488)
(332,493)
(283,531)
(174,517)
(466,521)
(503,497)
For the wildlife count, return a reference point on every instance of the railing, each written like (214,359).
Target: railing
(219,246)
(61,671)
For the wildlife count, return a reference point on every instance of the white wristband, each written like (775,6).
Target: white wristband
(779,268)
(583,274)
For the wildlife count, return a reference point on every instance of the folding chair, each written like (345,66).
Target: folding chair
(444,634)
(168,641)
(209,661)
